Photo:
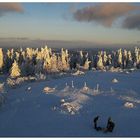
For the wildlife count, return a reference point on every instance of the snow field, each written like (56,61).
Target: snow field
(29,111)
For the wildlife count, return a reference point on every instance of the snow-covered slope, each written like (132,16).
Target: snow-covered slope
(29,111)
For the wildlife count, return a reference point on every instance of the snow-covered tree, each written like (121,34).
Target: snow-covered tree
(17,56)
(100,62)
(120,58)
(39,66)
(104,58)
(129,61)
(136,57)
(54,63)
(65,60)
(29,67)
(15,70)
(109,60)
(124,58)
(59,64)
(47,65)
(29,53)
(1,58)
(86,65)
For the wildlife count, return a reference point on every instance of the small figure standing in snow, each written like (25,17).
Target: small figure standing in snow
(110,125)
(95,123)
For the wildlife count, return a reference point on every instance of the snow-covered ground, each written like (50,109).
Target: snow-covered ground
(66,106)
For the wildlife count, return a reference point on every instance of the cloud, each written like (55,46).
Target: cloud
(104,14)
(132,22)
(10,7)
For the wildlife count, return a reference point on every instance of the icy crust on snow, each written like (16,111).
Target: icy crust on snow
(78,72)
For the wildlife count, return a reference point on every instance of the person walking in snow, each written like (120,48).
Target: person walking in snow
(110,125)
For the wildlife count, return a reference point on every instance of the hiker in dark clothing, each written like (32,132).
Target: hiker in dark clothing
(110,125)
(95,123)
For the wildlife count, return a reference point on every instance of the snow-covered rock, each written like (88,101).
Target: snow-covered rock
(78,72)
(31,78)
(115,80)
(15,82)
(112,69)
(129,105)
(29,88)
(68,108)
(85,88)
(48,90)
(11,83)
(40,76)
(62,101)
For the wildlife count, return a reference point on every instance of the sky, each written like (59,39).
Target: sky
(98,23)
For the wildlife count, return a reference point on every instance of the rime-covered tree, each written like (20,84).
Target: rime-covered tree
(104,58)
(100,62)
(120,58)
(81,58)
(59,64)
(39,66)
(109,60)
(15,70)
(47,65)
(124,58)
(64,59)
(86,64)
(1,58)
(129,61)
(29,67)
(136,57)
(54,63)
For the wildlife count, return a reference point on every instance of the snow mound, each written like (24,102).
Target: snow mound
(115,80)
(62,101)
(29,89)
(78,72)
(48,90)
(130,99)
(68,108)
(32,79)
(1,87)
(67,88)
(129,105)
(85,88)
(112,69)
(96,90)
(40,77)
(14,82)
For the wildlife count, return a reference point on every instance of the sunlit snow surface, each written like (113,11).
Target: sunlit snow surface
(35,113)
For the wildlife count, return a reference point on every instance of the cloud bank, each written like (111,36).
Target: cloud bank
(10,7)
(104,14)
(132,22)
